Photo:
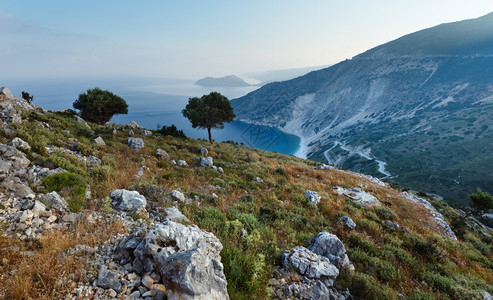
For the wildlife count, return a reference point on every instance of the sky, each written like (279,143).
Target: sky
(193,39)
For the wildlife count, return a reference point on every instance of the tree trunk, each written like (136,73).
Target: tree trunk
(210,136)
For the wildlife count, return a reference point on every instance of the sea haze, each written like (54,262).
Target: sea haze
(156,102)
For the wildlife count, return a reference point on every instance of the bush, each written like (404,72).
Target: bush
(210,219)
(100,106)
(172,131)
(69,185)
(385,213)
(366,287)
(249,221)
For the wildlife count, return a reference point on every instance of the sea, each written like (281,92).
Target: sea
(156,102)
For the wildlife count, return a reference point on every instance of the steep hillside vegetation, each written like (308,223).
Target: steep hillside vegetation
(422,104)
(256,203)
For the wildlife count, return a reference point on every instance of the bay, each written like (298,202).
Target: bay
(156,102)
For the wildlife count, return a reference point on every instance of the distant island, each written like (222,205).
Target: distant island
(228,81)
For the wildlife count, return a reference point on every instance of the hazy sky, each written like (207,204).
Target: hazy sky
(160,38)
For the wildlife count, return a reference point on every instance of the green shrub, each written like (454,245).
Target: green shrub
(419,294)
(249,221)
(385,213)
(439,282)
(398,254)
(364,244)
(366,287)
(246,273)
(369,226)
(69,185)
(210,219)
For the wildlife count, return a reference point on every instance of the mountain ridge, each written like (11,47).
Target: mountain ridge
(383,88)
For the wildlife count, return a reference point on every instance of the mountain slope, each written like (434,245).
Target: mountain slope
(419,108)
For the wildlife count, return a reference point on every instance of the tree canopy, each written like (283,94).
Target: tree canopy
(481,202)
(99,106)
(209,111)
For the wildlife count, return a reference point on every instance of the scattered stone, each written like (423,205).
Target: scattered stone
(175,215)
(130,201)
(99,141)
(136,143)
(204,151)
(181,163)
(348,222)
(312,196)
(331,247)
(259,180)
(220,170)
(177,196)
(108,280)
(310,264)
(130,132)
(206,162)
(38,208)
(6,92)
(147,281)
(55,201)
(16,187)
(83,122)
(134,125)
(20,144)
(358,196)
(324,167)
(146,132)
(391,224)
(141,171)
(161,153)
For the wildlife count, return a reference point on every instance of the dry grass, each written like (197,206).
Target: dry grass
(39,271)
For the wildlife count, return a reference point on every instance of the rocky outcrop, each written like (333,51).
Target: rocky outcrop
(204,151)
(54,201)
(129,201)
(358,196)
(136,143)
(162,154)
(206,162)
(331,247)
(348,222)
(312,197)
(186,258)
(310,273)
(99,141)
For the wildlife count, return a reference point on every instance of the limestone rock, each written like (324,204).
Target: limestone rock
(6,92)
(204,151)
(358,196)
(83,122)
(348,222)
(130,201)
(181,163)
(108,280)
(206,162)
(187,258)
(145,132)
(324,167)
(331,247)
(20,144)
(99,141)
(136,143)
(134,125)
(55,201)
(175,215)
(310,264)
(312,196)
(161,153)
(15,186)
(177,196)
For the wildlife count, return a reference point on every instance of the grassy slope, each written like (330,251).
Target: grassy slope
(275,214)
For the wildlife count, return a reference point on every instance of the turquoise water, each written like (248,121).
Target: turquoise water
(150,109)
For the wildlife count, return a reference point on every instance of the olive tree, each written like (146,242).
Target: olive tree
(99,106)
(209,111)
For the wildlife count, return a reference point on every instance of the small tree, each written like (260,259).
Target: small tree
(209,111)
(481,202)
(27,97)
(100,106)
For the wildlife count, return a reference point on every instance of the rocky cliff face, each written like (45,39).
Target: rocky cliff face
(426,96)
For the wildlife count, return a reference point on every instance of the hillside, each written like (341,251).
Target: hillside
(226,81)
(106,211)
(418,108)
